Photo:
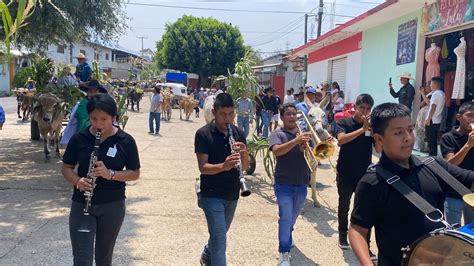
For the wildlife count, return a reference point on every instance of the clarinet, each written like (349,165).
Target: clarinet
(88,194)
(244,191)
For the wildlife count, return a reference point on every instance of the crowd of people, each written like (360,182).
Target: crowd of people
(379,203)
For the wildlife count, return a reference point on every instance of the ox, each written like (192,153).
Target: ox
(208,106)
(24,103)
(166,105)
(49,114)
(134,97)
(187,103)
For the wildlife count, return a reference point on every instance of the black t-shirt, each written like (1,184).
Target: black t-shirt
(79,150)
(270,104)
(354,156)
(398,222)
(452,142)
(291,168)
(211,141)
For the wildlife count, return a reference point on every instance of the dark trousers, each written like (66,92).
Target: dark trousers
(104,223)
(432,136)
(345,188)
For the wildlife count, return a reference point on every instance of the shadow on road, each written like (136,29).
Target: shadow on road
(34,206)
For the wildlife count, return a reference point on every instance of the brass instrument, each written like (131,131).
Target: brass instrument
(244,191)
(321,150)
(85,228)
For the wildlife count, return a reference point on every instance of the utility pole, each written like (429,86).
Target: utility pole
(143,38)
(305,41)
(320,16)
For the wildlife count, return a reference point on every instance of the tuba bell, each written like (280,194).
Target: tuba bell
(321,150)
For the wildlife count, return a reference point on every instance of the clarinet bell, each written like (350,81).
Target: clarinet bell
(244,191)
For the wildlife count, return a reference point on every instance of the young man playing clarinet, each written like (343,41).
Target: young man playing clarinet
(220,183)
(379,204)
(291,177)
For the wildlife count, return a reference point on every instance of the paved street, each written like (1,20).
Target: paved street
(163,225)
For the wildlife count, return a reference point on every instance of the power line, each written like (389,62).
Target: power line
(227,9)
(295,28)
(218,9)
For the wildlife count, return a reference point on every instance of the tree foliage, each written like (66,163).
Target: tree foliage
(64,21)
(22,76)
(204,46)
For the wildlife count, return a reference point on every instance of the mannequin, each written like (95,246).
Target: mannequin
(432,56)
(460,78)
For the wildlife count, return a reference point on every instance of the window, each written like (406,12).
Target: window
(61,49)
(83,52)
(106,56)
(96,56)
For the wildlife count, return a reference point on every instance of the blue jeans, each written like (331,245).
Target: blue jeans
(266,118)
(243,123)
(290,199)
(219,214)
(157,118)
(454,208)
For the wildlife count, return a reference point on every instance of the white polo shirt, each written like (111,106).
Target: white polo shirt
(437,97)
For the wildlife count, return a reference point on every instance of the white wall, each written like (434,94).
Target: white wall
(318,72)
(90,49)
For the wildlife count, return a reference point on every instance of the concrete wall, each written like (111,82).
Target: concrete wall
(4,79)
(89,48)
(379,50)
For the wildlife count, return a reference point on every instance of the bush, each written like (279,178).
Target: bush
(21,77)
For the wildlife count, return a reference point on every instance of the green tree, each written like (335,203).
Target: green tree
(64,21)
(204,46)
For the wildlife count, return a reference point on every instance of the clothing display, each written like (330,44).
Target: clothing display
(432,56)
(460,78)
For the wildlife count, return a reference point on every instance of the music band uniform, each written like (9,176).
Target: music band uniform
(398,222)
(220,192)
(118,152)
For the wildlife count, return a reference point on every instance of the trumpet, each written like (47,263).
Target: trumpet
(244,191)
(322,149)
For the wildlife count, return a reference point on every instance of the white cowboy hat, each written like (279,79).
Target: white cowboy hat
(405,75)
(81,56)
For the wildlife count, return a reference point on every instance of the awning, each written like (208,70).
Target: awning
(385,12)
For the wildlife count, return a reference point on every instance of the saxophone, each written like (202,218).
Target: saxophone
(88,194)
(244,191)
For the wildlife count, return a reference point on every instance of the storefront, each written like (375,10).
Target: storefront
(448,49)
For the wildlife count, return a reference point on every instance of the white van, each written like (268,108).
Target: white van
(178,88)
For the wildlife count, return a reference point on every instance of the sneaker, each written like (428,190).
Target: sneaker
(343,244)
(151,133)
(205,261)
(284,259)
(372,255)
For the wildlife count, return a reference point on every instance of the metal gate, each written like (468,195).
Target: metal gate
(338,71)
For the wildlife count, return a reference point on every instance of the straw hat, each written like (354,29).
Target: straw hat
(405,75)
(81,56)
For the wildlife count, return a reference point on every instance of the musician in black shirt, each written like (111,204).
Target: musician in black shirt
(377,204)
(220,183)
(116,164)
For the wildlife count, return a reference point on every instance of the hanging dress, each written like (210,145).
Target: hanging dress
(433,68)
(460,78)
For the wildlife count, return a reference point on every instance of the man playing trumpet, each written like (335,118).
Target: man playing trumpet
(457,148)
(355,155)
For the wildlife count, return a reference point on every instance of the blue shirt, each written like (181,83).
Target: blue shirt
(2,115)
(83,71)
(244,107)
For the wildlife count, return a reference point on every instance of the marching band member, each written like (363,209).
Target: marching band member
(292,176)
(117,162)
(355,156)
(220,185)
(457,148)
(378,204)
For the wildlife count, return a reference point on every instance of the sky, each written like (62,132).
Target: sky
(267,32)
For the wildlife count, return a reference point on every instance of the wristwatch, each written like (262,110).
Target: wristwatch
(112,174)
